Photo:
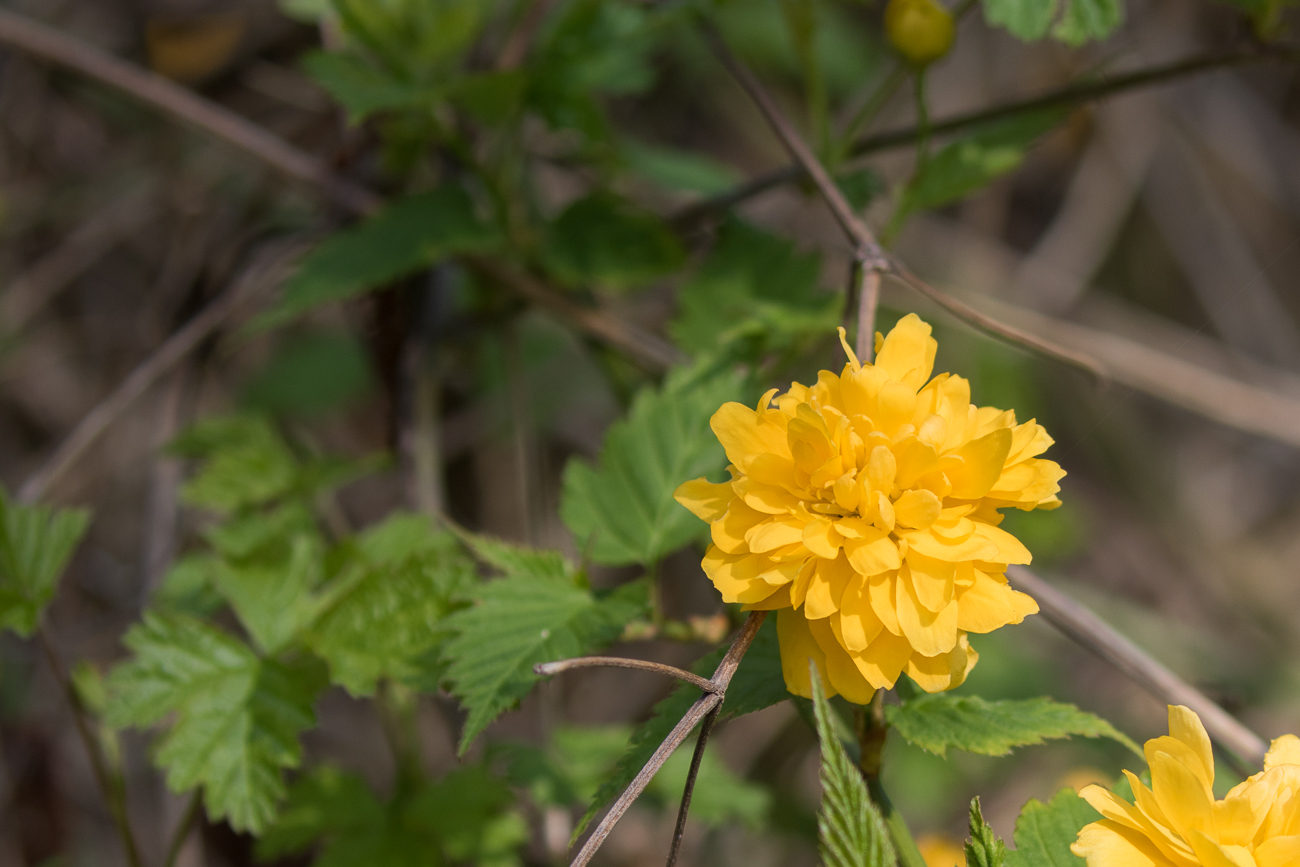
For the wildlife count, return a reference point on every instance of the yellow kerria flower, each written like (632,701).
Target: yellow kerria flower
(1177,822)
(865,508)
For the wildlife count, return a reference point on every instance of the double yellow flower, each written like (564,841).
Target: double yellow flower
(1178,823)
(864,509)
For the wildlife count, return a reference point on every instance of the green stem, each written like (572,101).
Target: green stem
(875,102)
(922,123)
(397,707)
(183,829)
(871,729)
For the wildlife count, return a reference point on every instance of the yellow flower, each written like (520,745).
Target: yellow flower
(940,851)
(864,508)
(1177,822)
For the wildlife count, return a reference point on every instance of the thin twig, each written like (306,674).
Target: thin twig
(268,268)
(548,669)
(868,301)
(183,828)
(706,703)
(867,250)
(98,765)
(1098,636)
(1071,94)
(50,44)
(696,759)
(648,348)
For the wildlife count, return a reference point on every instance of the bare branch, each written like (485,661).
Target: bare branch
(867,249)
(706,704)
(50,44)
(548,669)
(868,300)
(696,759)
(267,269)
(1098,636)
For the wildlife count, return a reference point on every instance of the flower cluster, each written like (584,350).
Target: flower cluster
(865,509)
(1178,823)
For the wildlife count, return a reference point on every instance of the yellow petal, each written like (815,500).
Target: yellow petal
(943,672)
(915,459)
(1278,852)
(925,542)
(882,467)
(830,578)
(989,604)
(729,533)
(774,533)
(982,463)
(780,598)
(933,580)
(772,469)
(1109,844)
(917,509)
(1283,751)
(744,434)
(705,499)
(1009,548)
(883,660)
(769,498)
(883,512)
(895,407)
(907,353)
(872,556)
(1186,727)
(797,647)
(841,671)
(856,623)
(821,538)
(1180,792)
(737,576)
(929,632)
(1211,854)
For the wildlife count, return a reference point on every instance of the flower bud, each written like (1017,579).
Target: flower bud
(921,30)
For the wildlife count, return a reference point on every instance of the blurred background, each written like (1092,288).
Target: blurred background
(1156,229)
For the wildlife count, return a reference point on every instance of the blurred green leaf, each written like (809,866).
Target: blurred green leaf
(983,849)
(490,97)
(512,559)
(273,600)
(237,717)
(971,163)
(247,462)
(361,87)
(1089,19)
(850,829)
(752,283)
(520,620)
(467,809)
(606,240)
(36,543)
(720,796)
(1025,19)
(386,613)
(757,684)
(311,374)
(624,512)
(189,586)
(676,169)
(407,235)
(992,728)
(1044,832)
(860,187)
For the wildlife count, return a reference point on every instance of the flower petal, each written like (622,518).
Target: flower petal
(705,499)
(745,434)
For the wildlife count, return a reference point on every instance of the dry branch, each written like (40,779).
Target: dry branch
(548,669)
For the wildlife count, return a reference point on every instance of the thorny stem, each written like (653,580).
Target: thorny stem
(548,669)
(871,729)
(696,759)
(113,794)
(183,829)
(702,708)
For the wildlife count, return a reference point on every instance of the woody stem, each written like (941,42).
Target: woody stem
(870,726)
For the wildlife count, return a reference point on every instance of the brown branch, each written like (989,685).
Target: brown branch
(1074,94)
(548,669)
(1098,636)
(867,249)
(51,45)
(98,765)
(267,268)
(696,759)
(868,300)
(702,708)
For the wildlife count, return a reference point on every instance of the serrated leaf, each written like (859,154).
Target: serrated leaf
(361,87)
(273,600)
(624,511)
(609,242)
(36,543)
(757,684)
(512,559)
(386,613)
(189,586)
(850,830)
(983,849)
(752,283)
(522,620)
(1025,19)
(237,717)
(246,462)
(1089,19)
(1045,832)
(971,163)
(993,728)
(404,237)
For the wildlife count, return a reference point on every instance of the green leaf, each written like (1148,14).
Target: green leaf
(361,87)
(467,809)
(676,169)
(237,717)
(608,241)
(273,600)
(491,97)
(719,797)
(971,163)
(385,615)
(624,512)
(757,684)
(36,543)
(189,587)
(752,283)
(1028,20)
(311,374)
(983,849)
(850,830)
(247,462)
(512,559)
(1089,19)
(993,728)
(522,620)
(407,235)
(1045,832)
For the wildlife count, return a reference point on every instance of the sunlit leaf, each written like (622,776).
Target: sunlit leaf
(1044,832)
